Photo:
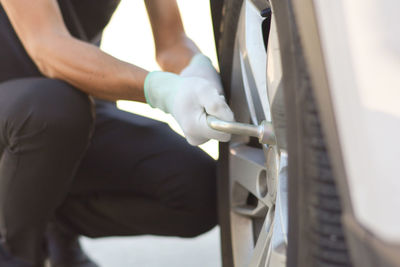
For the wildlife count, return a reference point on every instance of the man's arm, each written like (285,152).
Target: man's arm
(40,27)
(174,49)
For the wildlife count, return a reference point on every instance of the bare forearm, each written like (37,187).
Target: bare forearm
(89,69)
(174,49)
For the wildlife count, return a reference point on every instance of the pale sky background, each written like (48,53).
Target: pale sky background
(129,38)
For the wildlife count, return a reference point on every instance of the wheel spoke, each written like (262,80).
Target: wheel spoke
(282,198)
(262,248)
(274,64)
(247,167)
(258,211)
(252,60)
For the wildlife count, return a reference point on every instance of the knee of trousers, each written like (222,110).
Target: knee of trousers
(196,198)
(44,110)
(198,223)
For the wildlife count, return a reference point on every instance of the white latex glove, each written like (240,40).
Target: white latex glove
(201,66)
(188,100)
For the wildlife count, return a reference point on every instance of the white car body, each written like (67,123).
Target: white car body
(361,45)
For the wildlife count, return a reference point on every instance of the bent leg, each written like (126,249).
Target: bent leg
(140,177)
(45,127)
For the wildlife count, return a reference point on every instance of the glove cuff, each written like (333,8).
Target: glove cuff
(200,60)
(160,89)
(147,83)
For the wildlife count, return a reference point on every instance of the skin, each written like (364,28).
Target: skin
(43,34)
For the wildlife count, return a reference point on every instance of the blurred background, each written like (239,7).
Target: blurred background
(129,38)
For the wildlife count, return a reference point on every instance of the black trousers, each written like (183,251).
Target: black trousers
(96,169)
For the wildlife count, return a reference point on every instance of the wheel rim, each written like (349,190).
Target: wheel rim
(258,174)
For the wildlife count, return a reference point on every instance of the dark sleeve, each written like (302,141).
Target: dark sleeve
(88,18)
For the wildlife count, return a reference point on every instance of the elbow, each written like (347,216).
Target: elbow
(42,62)
(40,55)
(45,69)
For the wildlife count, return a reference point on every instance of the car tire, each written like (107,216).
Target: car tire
(315,236)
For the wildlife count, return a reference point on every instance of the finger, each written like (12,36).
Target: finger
(216,106)
(210,133)
(196,141)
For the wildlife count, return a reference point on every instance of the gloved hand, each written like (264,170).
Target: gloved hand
(201,66)
(188,100)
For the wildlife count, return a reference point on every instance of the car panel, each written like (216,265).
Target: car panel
(364,79)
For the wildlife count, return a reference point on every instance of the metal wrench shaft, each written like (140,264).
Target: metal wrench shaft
(264,132)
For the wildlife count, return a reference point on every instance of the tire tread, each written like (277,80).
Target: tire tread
(328,240)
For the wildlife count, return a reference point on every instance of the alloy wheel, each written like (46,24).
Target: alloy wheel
(258,173)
